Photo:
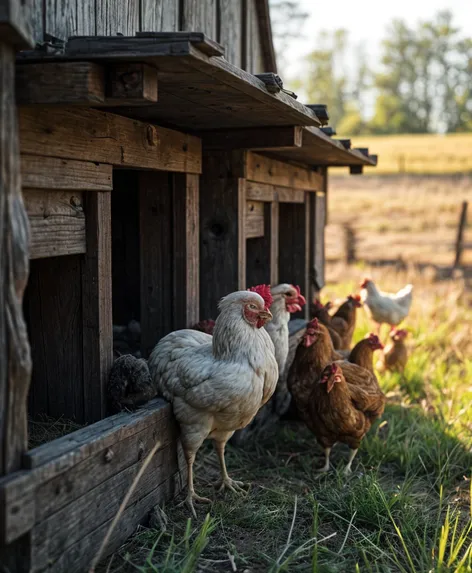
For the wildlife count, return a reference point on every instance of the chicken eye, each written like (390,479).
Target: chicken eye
(252,306)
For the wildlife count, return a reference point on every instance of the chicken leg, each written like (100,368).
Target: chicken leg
(352,455)
(191,495)
(325,468)
(226,482)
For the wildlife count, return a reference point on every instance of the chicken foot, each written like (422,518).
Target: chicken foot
(325,468)
(352,455)
(191,495)
(226,482)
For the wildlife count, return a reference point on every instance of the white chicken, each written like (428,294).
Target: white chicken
(287,299)
(216,384)
(386,307)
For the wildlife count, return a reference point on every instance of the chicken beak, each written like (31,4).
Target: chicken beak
(265,315)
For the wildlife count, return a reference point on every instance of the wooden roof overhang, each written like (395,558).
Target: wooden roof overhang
(318,149)
(197,89)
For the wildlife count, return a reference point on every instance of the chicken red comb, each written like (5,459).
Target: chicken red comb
(314,324)
(329,371)
(301,298)
(264,292)
(374,340)
(401,332)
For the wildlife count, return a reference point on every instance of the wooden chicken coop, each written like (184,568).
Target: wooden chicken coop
(145,172)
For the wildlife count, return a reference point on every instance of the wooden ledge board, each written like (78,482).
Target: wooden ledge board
(196,91)
(318,149)
(102,137)
(270,193)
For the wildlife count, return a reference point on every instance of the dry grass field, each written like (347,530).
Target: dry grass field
(429,153)
(412,217)
(407,506)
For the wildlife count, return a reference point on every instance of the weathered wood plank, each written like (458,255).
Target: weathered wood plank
(91,135)
(230,30)
(64,83)
(15,360)
(309,197)
(131,83)
(155,229)
(318,242)
(222,238)
(159,15)
(258,269)
(252,138)
(186,250)
(57,223)
(97,305)
(86,24)
(267,170)
(274,243)
(117,17)
(53,309)
(200,17)
(65,174)
(267,192)
(254,219)
(255,64)
(66,469)
(61,18)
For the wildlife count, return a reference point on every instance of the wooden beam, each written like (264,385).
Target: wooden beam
(52,173)
(222,236)
(309,197)
(133,83)
(266,192)
(254,219)
(96,305)
(60,83)
(91,135)
(186,297)
(253,138)
(66,473)
(57,223)
(267,170)
(15,360)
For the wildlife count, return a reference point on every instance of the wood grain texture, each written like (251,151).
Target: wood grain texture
(64,470)
(16,24)
(64,83)
(222,240)
(57,223)
(117,17)
(60,18)
(186,288)
(254,219)
(274,243)
(15,359)
(52,173)
(200,17)
(91,135)
(97,305)
(255,62)
(231,30)
(267,192)
(53,306)
(267,170)
(159,15)
(155,230)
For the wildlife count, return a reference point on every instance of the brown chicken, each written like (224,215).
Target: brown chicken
(343,320)
(363,352)
(341,415)
(320,311)
(395,355)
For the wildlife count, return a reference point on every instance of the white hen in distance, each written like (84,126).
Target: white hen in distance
(216,384)
(386,307)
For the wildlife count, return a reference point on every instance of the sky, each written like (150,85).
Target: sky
(366,21)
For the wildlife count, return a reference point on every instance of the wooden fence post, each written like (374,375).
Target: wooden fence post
(460,234)
(349,245)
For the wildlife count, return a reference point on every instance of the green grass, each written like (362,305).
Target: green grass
(406,508)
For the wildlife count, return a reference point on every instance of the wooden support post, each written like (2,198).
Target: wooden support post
(96,305)
(222,238)
(258,269)
(317,247)
(274,243)
(309,197)
(460,234)
(15,358)
(186,293)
